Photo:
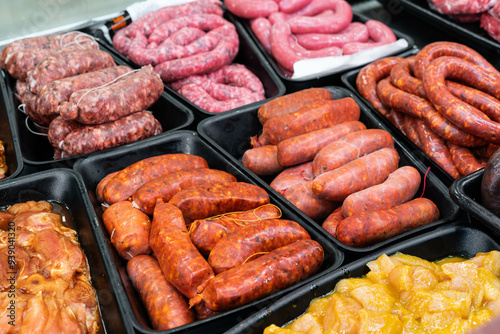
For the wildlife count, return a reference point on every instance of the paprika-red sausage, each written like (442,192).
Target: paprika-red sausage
(361,173)
(463,159)
(302,196)
(371,227)
(253,241)
(166,307)
(332,221)
(262,160)
(291,176)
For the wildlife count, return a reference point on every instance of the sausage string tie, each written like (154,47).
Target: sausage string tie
(33,131)
(75,39)
(253,255)
(106,84)
(425,178)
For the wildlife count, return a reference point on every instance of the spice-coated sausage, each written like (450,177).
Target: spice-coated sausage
(332,221)
(262,160)
(292,176)
(463,159)
(302,196)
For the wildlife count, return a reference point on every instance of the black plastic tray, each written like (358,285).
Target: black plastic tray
(293,85)
(248,55)
(468,33)
(466,192)
(10,139)
(230,134)
(94,168)
(457,239)
(36,149)
(65,187)
(349,80)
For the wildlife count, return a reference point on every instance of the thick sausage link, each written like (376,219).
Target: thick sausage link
(167,308)
(400,187)
(164,187)
(122,186)
(217,198)
(129,229)
(402,77)
(205,233)
(361,173)
(338,21)
(292,176)
(183,266)
(332,221)
(349,148)
(302,196)
(100,186)
(463,159)
(274,271)
(380,34)
(262,160)
(252,241)
(251,9)
(371,227)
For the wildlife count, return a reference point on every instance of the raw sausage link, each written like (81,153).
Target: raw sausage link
(262,160)
(92,138)
(370,75)
(251,9)
(439,49)
(128,228)
(410,129)
(183,266)
(375,226)
(303,148)
(55,92)
(450,7)
(341,18)
(462,114)
(402,77)
(67,64)
(164,187)
(134,92)
(349,148)
(59,128)
(291,102)
(400,187)
(361,173)
(355,32)
(167,308)
(380,34)
(436,149)
(313,206)
(217,198)
(463,159)
(291,176)
(252,241)
(261,27)
(281,268)
(397,119)
(128,180)
(309,118)
(332,221)
(100,186)
(205,233)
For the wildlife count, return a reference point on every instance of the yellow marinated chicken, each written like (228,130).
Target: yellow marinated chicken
(407,294)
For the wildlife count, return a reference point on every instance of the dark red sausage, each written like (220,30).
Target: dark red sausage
(402,77)
(183,266)
(167,308)
(349,148)
(410,130)
(269,273)
(122,186)
(164,187)
(205,233)
(399,187)
(476,98)
(361,173)
(253,241)
(332,221)
(370,227)
(303,148)
(100,186)
(217,198)
(128,228)
(463,159)
(262,160)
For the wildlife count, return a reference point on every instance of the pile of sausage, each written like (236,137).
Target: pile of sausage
(78,95)
(292,30)
(331,166)
(192,47)
(213,243)
(44,274)
(487,12)
(444,99)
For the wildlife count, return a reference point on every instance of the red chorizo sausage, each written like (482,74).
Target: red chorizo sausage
(410,129)
(166,307)
(262,160)
(302,196)
(303,148)
(349,148)
(100,186)
(326,114)
(292,176)
(370,75)
(458,7)
(361,173)
(133,92)
(181,263)
(397,119)
(252,241)
(164,187)
(463,159)
(402,77)
(274,271)
(370,227)
(129,229)
(205,233)
(290,6)
(217,198)
(399,187)
(436,149)
(332,221)
(122,186)
(291,102)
